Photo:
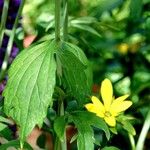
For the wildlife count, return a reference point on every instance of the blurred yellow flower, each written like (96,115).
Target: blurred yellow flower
(123,48)
(110,108)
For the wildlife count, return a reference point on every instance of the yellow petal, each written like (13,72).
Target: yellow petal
(94,109)
(119,107)
(90,107)
(98,104)
(111,121)
(106,93)
(120,99)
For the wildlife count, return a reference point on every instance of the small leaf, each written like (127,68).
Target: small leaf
(2,126)
(86,28)
(60,126)
(113,130)
(30,86)
(76,74)
(110,148)
(85,138)
(15,144)
(5,120)
(74,138)
(93,120)
(83,20)
(84,122)
(128,127)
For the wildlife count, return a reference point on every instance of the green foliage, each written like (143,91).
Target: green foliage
(60,126)
(76,73)
(129,128)
(114,36)
(30,86)
(83,23)
(135,9)
(110,148)
(16,144)
(83,122)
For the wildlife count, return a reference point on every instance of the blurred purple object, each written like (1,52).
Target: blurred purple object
(14,51)
(2,86)
(2,53)
(12,12)
(1,4)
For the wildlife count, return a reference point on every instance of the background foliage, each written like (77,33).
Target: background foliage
(115,38)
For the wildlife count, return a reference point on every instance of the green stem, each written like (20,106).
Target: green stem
(65,24)
(141,139)
(60,145)
(132,141)
(57,20)
(10,42)
(63,143)
(3,20)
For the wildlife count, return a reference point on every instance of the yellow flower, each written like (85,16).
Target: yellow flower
(110,108)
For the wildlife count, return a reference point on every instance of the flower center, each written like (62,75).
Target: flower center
(107,114)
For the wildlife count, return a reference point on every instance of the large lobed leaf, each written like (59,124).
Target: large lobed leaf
(76,73)
(30,86)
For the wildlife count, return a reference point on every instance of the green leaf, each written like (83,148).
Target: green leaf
(60,126)
(30,86)
(86,28)
(93,120)
(2,119)
(85,138)
(113,130)
(2,126)
(15,144)
(110,148)
(76,73)
(135,9)
(83,121)
(83,20)
(128,127)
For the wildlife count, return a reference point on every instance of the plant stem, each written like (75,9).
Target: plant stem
(60,145)
(10,42)
(63,143)
(3,20)
(57,20)
(65,24)
(145,128)
(132,141)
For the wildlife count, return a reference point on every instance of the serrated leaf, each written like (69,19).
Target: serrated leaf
(84,122)
(85,138)
(76,73)
(110,148)
(128,127)
(16,144)
(30,86)
(93,120)
(60,126)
